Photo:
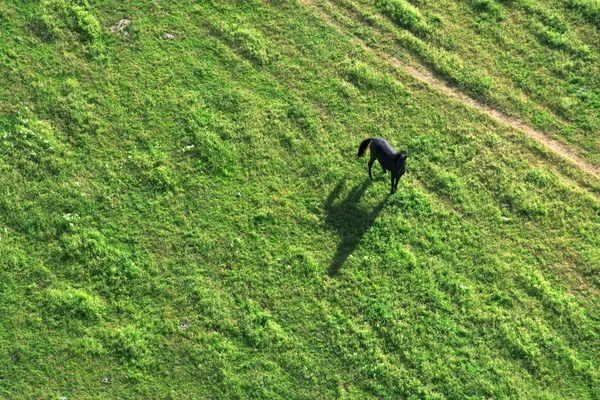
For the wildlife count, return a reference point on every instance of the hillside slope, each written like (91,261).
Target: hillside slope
(534,60)
(182,215)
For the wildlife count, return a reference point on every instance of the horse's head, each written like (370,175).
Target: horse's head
(401,163)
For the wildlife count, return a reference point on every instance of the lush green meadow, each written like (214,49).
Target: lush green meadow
(535,60)
(182,214)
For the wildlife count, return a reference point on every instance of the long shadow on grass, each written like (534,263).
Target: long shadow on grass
(349,219)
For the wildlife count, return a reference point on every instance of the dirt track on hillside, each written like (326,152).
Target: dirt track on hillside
(426,76)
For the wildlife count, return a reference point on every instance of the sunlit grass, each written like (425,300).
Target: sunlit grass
(186,217)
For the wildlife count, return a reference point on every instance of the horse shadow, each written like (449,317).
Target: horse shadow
(349,219)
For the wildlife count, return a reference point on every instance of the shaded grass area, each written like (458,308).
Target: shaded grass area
(126,253)
(350,221)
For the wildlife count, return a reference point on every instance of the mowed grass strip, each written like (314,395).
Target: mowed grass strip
(131,267)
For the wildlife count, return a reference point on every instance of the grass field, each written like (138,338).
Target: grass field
(535,60)
(182,214)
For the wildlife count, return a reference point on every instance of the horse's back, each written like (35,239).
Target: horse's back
(384,152)
(381,146)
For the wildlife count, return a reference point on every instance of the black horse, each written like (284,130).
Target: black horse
(389,159)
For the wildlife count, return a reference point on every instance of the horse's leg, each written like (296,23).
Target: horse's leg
(392,183)
(398,178)
(371,161)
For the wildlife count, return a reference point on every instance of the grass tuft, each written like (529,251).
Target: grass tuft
(405,15)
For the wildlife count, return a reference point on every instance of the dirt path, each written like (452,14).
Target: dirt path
(553,145)
(425,76)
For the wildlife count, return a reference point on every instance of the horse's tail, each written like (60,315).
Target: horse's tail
(363,146)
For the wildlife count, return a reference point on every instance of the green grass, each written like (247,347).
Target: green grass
(534,60)
(126,252)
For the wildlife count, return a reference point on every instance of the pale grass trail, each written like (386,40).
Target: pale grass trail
(427,77)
